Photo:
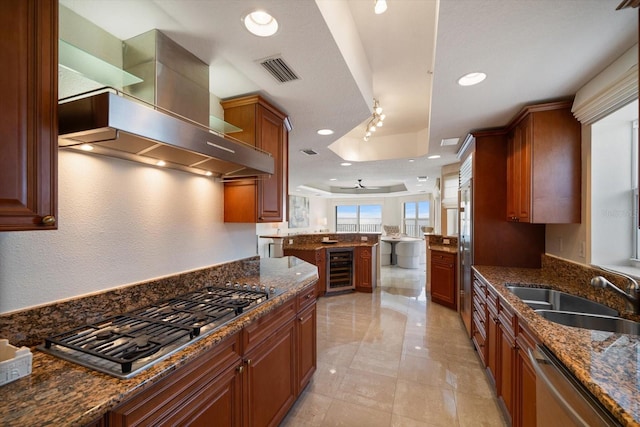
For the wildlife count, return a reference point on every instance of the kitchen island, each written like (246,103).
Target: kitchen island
(317,248)
(61,393)
(605,363)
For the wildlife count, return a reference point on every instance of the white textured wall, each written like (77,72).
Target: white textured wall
(119,223)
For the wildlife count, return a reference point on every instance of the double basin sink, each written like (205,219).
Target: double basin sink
(571,310)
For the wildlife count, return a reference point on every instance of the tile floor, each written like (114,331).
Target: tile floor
(392,358)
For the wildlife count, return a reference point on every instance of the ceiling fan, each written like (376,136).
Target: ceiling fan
(359,186)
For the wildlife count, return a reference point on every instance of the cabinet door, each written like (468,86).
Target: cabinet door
(207,387)
(307,347)
(321,263)
(28,114)
(270,131)
(218,403)
(270,378)
(519,172)
(526,392)
(493,348)
(506,379)
(363,269)
(443,279)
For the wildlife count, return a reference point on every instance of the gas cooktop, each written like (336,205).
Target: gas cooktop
(125,345)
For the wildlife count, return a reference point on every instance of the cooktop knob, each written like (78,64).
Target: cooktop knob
(272,290)
(246,286)
(263,288)
(228,284)
(237,285)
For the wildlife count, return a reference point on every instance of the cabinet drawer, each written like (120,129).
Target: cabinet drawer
(306,297)
(442,257)
(263,327)
(507,320)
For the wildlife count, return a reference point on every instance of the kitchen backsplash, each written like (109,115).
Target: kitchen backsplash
(30,327)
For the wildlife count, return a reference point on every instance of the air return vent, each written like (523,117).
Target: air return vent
(309,152)
(279,69)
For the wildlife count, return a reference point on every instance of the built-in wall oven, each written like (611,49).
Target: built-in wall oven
(340,270)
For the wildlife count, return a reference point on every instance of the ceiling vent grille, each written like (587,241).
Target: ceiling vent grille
(279,69)
(309,152)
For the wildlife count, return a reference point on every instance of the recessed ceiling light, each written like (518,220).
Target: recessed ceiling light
(345,164)
(411,160)
(423,178)
(208,173)
(471,79)
(333,179)
(261,23)
(86,147)
(160,163)
(380,6)
(325,132)
(435,156)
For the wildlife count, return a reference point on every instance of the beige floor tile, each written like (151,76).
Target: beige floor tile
(309,410)
(476,411)
(392,358)
(351,415)
(426,403)
(368,390)
(400,421)
(423,371)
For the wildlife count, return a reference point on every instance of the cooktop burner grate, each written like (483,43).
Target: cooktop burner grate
(125,344)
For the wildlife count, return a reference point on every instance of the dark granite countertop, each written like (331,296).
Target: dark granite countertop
(312,246)
(61,393)
(444,248)
(607,364)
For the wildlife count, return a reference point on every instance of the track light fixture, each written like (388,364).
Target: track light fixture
(376,120)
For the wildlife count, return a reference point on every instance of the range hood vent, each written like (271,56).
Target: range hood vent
(161,121)
(116,125)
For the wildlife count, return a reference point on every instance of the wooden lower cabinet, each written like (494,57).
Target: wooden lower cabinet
(251,378)
(307,346)
(526,376)
(502,342)
(366,267)
(270,378)
(208,387)
(443,279)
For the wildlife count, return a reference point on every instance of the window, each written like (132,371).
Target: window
(359,218)
(614,188)
(415,215)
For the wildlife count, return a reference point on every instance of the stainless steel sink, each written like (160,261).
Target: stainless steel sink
(592,321)
(549,299)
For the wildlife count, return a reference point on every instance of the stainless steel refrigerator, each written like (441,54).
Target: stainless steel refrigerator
(465,254)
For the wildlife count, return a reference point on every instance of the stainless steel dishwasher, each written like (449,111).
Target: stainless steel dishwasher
(560,399)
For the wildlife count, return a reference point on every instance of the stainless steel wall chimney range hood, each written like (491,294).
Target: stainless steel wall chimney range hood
(163,121)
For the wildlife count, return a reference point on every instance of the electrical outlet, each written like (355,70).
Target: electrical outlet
(325,239)
(364,238)
(446,241)
(582,251)
(291,241)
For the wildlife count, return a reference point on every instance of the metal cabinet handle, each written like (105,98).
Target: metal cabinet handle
(240,369)
(48,220)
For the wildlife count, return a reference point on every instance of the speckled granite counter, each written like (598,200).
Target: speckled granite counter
(311,246)
(61,393)
(443,248)
(607,364)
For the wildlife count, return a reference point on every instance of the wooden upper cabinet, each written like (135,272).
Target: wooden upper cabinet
(544,165)
(28,114)
(261,200)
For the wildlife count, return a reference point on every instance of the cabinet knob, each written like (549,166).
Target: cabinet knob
(48,220)
(308,296)
(248,362)
(240,369)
